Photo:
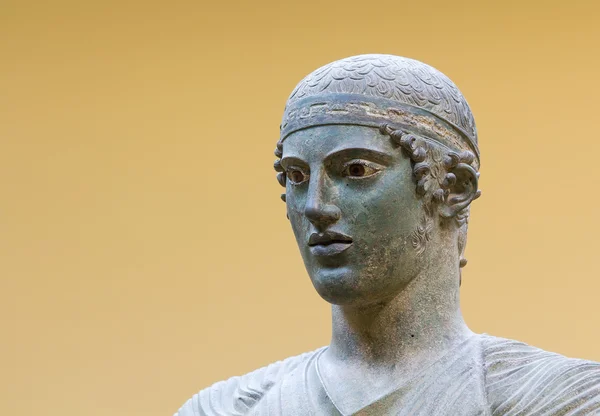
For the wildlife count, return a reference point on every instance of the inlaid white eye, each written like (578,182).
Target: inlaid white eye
(296,176)
(357,169)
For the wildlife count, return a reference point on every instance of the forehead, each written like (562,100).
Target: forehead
(315,143)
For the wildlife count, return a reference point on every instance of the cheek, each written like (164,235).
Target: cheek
(382,219)
(295,212)
(387,208)
(381,254)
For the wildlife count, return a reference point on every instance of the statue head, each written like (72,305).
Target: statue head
(379,158)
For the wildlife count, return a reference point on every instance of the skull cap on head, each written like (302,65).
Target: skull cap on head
(373,90)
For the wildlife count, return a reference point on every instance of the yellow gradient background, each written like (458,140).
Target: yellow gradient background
(144,251)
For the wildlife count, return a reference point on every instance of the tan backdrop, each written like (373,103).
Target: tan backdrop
(144,251)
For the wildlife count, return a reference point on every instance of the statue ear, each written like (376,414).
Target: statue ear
(460,186)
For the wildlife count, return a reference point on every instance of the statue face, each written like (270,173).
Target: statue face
(352,203)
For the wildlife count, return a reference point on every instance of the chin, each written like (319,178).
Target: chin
(342,286)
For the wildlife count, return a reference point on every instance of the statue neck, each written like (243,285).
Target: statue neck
(424,319)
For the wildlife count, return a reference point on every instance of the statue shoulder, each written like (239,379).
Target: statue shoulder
(237,395)
(525,380)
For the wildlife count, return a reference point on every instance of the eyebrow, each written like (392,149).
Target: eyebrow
(292,160)
(360,152)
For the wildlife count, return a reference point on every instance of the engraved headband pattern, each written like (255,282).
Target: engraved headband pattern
(360,110)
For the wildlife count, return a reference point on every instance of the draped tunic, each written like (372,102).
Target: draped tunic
(484,375)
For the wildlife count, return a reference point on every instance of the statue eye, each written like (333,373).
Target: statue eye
(296,176)
(360,169)
(356,170)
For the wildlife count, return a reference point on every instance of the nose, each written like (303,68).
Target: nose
(319,210)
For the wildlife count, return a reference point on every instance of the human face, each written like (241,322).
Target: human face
(351,200)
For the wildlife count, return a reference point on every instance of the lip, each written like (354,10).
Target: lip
(329,249)
(329,243)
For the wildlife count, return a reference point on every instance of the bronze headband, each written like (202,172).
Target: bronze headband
(363,110)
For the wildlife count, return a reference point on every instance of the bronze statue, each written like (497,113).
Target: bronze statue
(380,160)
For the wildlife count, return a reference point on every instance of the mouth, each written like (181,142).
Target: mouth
(328,243)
